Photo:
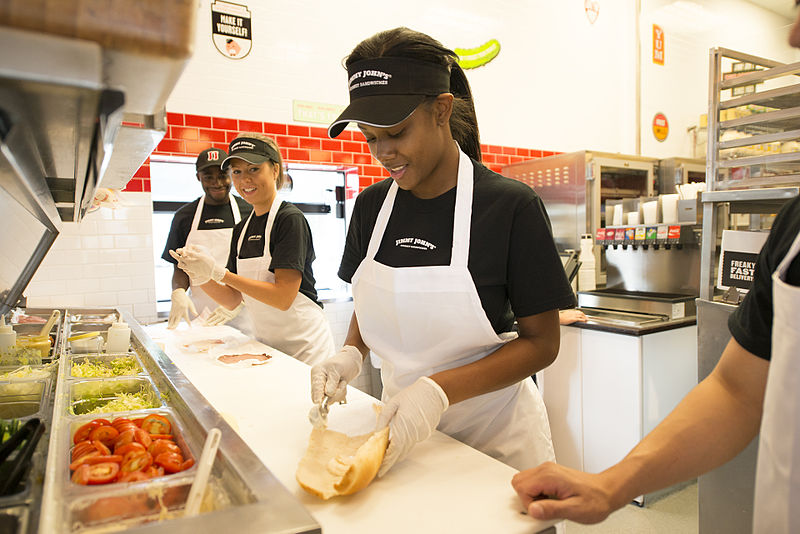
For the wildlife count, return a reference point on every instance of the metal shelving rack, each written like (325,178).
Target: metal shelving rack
(740,180)
(763,181)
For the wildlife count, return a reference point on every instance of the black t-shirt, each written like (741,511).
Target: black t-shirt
(512,257)
(290,245)
(751,323)
(212,218)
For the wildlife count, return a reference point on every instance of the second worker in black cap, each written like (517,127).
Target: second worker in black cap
(207,221)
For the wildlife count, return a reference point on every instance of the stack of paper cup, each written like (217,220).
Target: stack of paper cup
(633,218)
(618,212)
(650,210)
(669,208)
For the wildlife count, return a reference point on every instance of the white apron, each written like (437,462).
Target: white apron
(302,331)
(218,241)
(421,320)
(777,495)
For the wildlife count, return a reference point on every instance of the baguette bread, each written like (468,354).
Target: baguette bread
(338,464)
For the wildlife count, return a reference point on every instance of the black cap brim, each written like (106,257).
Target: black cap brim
(255,159)
(207,165)
(382,111)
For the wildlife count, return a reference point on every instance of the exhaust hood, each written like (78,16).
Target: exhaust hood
(82,95)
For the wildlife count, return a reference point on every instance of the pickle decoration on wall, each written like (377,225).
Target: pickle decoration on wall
(231,29)
(472,58)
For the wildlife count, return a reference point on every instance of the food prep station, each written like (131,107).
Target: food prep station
(240,490)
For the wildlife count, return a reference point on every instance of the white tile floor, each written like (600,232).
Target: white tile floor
(674,514)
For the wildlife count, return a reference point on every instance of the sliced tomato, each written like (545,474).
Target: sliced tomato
(142,437)
(102,422)
(133,476)
(163,445)
(104,434)
(162,436)
(156,424)
(103,473)
(170,461)
(128,436)
(129,447)
(138,421)
(84,447)
(154,471)
(120,421)
(81,475)
(82,434)
(82,460)
(100,447)
(187,464)
(136,462)
(91,459)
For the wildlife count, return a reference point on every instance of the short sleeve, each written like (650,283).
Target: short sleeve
(536,278)
(289,241)
(178,232)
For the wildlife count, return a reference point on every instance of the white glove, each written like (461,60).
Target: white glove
(198,264)
(412,415)
(181,306)
(330,377)
(222,315)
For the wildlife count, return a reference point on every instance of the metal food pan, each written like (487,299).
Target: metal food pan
(102,359)
(24,493)
(125,504)
(14,519)
(23,399)
(87,394)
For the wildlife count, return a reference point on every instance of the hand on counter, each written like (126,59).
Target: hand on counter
(412,415)
(552,491)
(571,316)
(222,315)
(181,306)
(330,377)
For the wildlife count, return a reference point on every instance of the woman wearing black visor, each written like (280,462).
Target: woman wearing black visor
(443,257)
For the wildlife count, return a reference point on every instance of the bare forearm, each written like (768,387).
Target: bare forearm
(712,424)
(222,294)
(180,280)
(535,349)
(277,295)
(354,337)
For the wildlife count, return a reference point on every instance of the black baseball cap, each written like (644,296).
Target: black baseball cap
(385,91)
(210,157)
(251,150)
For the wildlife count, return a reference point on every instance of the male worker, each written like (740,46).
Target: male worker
(207,221)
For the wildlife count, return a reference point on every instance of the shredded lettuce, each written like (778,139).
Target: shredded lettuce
(123,366)
(122,402)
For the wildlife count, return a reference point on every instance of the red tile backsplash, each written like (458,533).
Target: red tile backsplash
(188,134)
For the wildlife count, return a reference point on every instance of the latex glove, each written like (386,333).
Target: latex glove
(330,377)
(181,306)
(198,264)
(222,315)
(412,415)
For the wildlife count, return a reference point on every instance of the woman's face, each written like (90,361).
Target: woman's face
(255,183)
(413,151)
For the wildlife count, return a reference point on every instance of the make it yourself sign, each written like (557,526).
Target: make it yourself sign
(660,127)
(231,30)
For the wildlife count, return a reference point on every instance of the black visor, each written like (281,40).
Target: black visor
(385,91)
(251,150)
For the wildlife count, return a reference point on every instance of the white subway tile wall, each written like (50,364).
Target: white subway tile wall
(106,261)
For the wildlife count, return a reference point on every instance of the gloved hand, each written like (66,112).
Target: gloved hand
(198,264)
(330,377)
(222,315)
(412,415)
(181,306)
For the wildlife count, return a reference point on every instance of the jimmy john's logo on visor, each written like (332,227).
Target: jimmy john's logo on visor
(364,78)
(242,145)
(231,29)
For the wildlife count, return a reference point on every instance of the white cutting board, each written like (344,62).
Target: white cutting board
(442,486)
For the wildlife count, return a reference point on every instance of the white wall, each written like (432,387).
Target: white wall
(559,82)
(679,88)
(106,260)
